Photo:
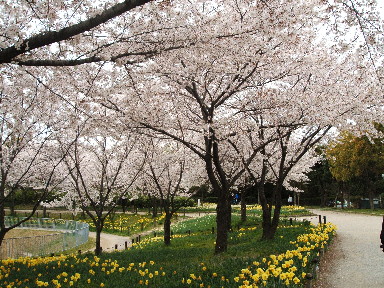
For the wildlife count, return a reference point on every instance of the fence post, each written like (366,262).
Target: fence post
(319,219)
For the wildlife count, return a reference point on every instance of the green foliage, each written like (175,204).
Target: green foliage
(351,156)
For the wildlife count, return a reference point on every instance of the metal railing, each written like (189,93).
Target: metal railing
(66,234)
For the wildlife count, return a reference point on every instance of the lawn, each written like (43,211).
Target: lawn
(188,262)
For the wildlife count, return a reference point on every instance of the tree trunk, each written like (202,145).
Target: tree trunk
(98,249)
(243,207)
(3,230)
(167,228)
(371,202)
(223,224)
(267,223)
(154,204)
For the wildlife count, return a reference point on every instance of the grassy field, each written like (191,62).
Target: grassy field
(16,233)
(374,212)
(188,262)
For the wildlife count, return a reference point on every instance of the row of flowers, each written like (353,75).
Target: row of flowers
(288,269)
(127,223)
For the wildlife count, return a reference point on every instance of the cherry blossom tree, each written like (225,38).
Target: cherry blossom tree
(28,149)
(170,172)
(200,95)
(209,63)
(103,166)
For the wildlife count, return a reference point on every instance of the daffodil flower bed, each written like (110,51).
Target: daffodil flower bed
(126,224)
(151,264)
(285,210)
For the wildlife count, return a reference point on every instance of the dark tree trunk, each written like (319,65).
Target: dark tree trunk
(3,230)
(154,210)
(371,201)
(324,196)
(222,218)
(99,249)
(167,228)
(243,207)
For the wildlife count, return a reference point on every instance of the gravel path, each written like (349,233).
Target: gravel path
(355,259)
(108,241)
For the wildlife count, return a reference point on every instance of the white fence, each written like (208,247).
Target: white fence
(66,234)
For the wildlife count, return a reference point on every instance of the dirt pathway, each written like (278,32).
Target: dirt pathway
(355,259)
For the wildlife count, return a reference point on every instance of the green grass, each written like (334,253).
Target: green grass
(375,212)
(189,258)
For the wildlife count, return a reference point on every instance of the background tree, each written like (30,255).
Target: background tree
(103,166)
(353,156)
(28,147)
(170,172)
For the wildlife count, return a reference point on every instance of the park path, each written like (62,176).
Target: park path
(355,259)
(109,241)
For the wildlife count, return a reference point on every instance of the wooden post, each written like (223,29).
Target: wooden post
(319,219)
(325,219)
(126,245)
(382,235)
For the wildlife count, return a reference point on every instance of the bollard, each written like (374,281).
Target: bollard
(319,219)
(126,245)
(139,238)
(154,234)
(290,221)
(189,232)
(382,235)
(133,240)
(309,278)
(115,246)
(325,219)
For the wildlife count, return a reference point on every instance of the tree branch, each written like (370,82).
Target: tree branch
(46,38)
